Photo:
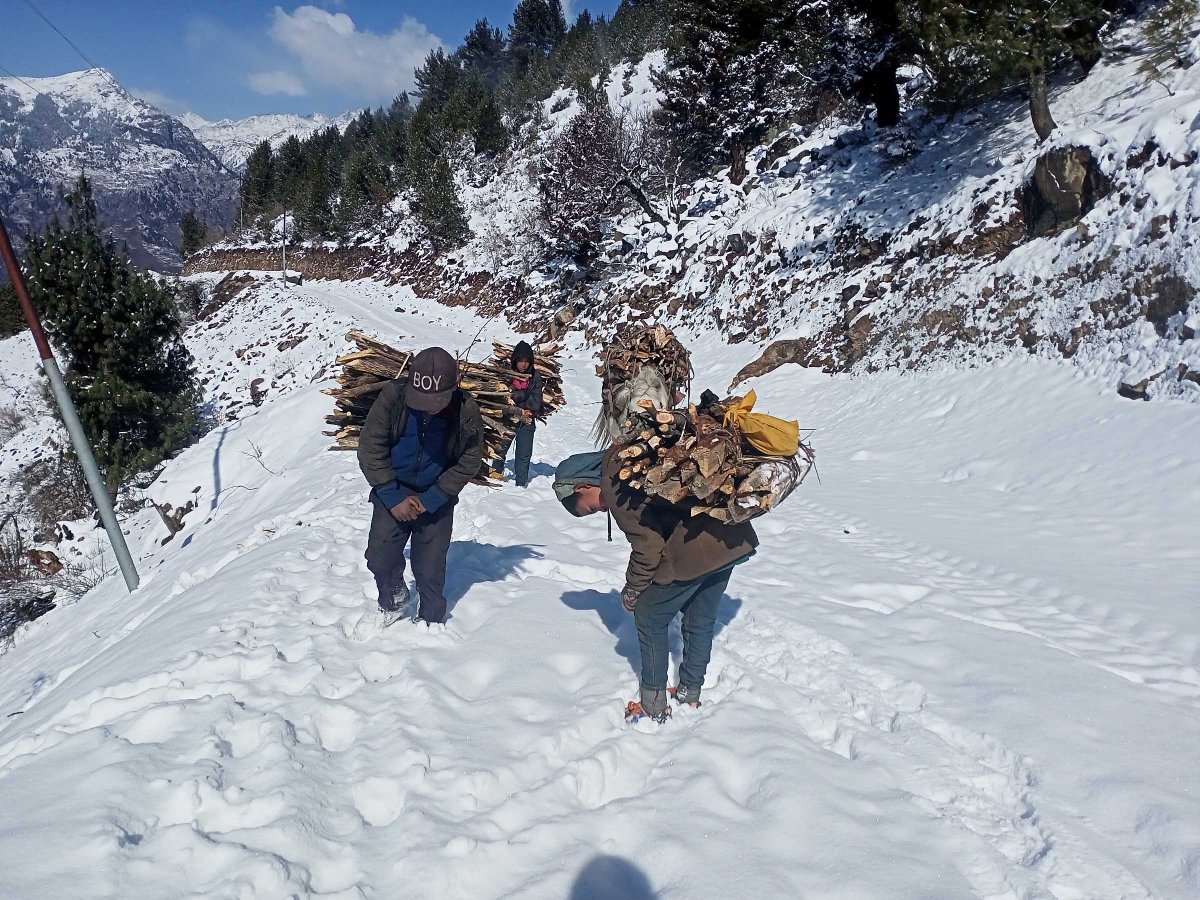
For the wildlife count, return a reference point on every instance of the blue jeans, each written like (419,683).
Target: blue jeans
(657,606)
(524,439)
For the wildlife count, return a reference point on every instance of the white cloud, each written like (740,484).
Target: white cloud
(333,51)
(276,82)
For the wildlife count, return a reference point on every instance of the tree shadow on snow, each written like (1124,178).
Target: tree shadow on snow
(470,562)
(619,622)
(611,878)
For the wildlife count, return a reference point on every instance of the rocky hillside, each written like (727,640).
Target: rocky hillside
(946,240)
(146,167)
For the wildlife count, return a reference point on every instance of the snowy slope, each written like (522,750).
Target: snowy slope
(908,247)
(964,664)
(233,140)
(146,167)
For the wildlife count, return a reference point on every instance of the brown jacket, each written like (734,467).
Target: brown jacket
(666,543)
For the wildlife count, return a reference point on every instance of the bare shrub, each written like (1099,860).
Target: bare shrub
(56,489)
(604,165)
(11,421)
(81,575)
(23,595)
(190,298)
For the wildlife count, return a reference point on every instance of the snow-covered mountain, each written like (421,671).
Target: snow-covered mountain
(147,168)
(232,140)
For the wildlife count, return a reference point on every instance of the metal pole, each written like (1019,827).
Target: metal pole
(285,245)
(70,418)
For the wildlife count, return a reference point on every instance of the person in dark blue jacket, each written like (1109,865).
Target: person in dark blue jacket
(421,444)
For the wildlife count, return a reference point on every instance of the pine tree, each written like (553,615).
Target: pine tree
(194,232)
(537,28)
(1169,29)
(879,36)
(289,168)
(482,52)
(438,78)
(11,320)
(440,210)
(126,365)
(257,191)
(738,68)
(489,134)
(979,48)
(314,209)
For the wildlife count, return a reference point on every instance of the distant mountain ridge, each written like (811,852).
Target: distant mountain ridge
(233,140)
(147,168)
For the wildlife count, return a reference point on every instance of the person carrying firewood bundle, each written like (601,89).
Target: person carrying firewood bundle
(421,444)
(527,395)
(678,563)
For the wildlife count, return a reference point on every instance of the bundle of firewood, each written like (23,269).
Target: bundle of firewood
(648,345)
(641,363)
(365,370)
(694,459)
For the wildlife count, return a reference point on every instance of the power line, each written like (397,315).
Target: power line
(87,59)
(16,77)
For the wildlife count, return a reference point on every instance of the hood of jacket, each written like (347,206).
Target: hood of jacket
(522,351)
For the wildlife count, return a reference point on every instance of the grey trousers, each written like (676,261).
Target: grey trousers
(430,535)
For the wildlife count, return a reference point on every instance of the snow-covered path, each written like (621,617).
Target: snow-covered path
(965,664)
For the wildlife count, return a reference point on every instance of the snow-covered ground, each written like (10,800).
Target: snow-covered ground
(963,664)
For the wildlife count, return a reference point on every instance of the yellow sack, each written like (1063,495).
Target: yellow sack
(767,434)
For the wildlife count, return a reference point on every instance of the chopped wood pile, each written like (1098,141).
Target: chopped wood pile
(642,363)
(649,345)
(366,369)
(694,459)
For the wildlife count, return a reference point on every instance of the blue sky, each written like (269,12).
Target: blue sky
(234,58)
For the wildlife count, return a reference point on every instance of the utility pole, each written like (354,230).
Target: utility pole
(285,217)
(70,418)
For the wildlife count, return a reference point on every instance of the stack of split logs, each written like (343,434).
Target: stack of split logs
(692,457)
(372,364)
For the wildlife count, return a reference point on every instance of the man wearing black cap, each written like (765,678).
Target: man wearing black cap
(421,444)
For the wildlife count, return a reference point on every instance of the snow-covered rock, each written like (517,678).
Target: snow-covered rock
(146,167)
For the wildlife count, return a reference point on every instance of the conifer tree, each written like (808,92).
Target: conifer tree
(976,48)
(537,27)
(438,78)
(11,320)
(315,204)
(738,67)
(482,52)
(489,134)
(440,210)
(126,365)
(258,187)
(194,232)
(289,166)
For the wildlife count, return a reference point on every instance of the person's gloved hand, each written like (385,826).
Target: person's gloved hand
(629,598)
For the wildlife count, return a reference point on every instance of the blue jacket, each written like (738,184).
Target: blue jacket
(404,453)
(419,458)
